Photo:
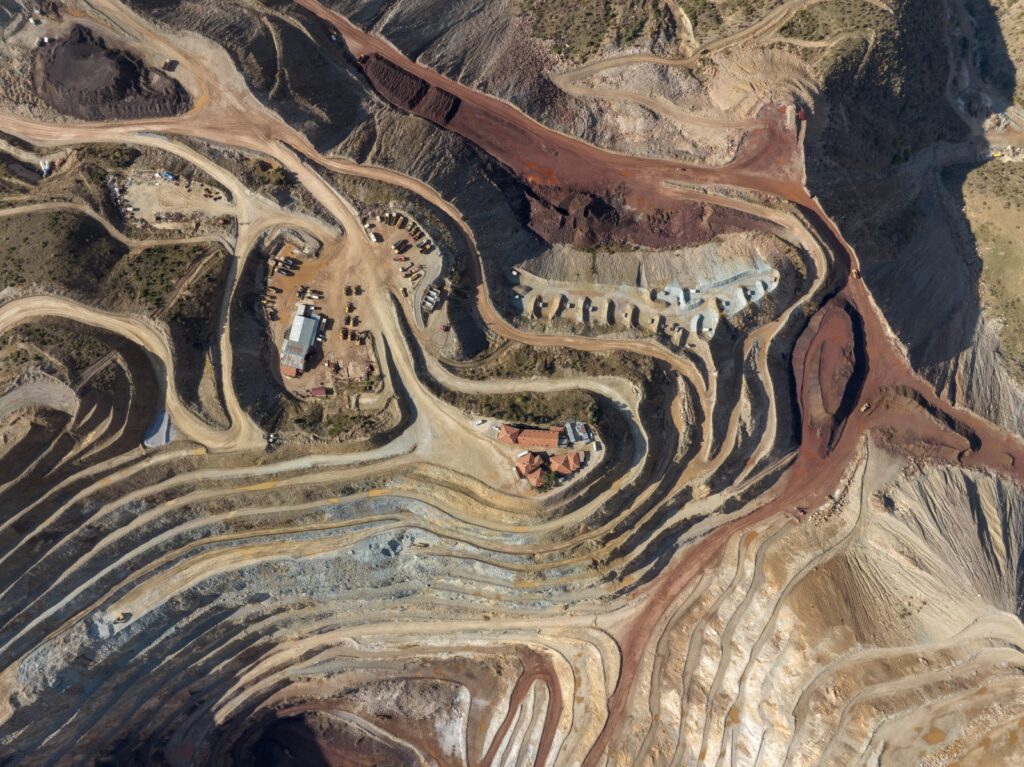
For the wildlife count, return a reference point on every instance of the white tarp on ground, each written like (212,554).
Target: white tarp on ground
(161,432)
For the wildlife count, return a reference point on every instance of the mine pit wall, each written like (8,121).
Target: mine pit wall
(864,172)
(213,618)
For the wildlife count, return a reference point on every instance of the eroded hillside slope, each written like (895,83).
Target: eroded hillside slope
(512,383)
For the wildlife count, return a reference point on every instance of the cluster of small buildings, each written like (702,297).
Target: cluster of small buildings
(536,465)
(431,298)
(540,468)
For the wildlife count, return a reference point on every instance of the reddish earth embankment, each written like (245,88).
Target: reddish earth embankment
(578,192)
(406,90)
(535,668)
(828,355)
(570,208)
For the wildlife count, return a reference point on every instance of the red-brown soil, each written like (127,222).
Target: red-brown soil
(580,193)
(534,668)
(406,90)
(827,355)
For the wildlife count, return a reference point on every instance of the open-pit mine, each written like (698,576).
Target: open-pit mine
(507,382)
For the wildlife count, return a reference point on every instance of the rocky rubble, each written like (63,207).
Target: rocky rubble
(80,76)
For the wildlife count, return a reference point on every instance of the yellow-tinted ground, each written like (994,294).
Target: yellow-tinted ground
(994,196)
(337,360)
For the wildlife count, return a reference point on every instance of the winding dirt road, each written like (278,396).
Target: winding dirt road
(497,521)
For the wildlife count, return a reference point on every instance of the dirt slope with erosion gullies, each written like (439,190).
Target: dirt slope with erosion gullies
(783,548)
(888,153)
(511,49)
(287,59)
(483,43)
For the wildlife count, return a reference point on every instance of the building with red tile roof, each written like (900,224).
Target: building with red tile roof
(567,463)
(535,478)
(509,434)
(528,463)
(542,438)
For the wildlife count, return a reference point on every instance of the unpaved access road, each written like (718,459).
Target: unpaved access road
(242,433)
(519,140)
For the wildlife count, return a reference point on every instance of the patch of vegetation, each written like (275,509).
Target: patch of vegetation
(60,251)
(993,60)
(523,361)
(59,348)
(994,195)
(704,16)
(192,321)
(193,317)
(146,279)
(529,407)
(896,87)
(578,30)
(270,175)
(17,177)
(333,420)
(805,25)
(821,21)
(715,19)
(71,253)
(316,420)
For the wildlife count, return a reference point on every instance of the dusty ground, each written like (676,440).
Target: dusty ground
(159,202)
(793,549)
(332,273)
